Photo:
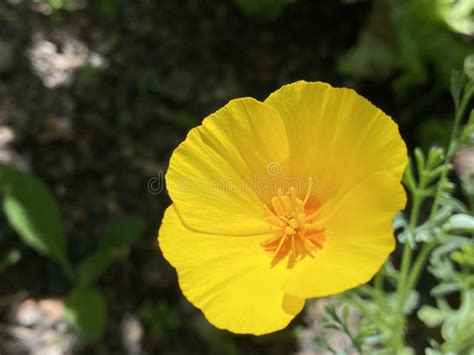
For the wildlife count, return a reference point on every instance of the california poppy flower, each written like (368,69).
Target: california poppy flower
(278,201)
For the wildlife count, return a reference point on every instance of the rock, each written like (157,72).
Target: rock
(40,329)
(7,135)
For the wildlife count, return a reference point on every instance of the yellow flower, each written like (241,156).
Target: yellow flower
(282,200)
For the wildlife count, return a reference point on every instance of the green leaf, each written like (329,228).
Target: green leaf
(399,221)
(464,256)
(466,137)
(454,242)
(435,157)
(86,310)
(444,289)
(122,232)
(463,223)
(321,342)
(372,57)
(431,316)
(458,81)
(116,238)
(409,177)
(469,66)
(345,312)
(407,237)
(33,213)
(467,185)
(412,302)
(9,259)
(58,4)
(443,269)
(93,266)
(330,313)
(454,205)
(420,161)
(331,325)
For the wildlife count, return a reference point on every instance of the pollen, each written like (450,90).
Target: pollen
(293,221)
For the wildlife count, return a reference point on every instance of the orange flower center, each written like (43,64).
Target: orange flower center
(293,221)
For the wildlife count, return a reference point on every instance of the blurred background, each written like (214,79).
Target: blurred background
(96,94)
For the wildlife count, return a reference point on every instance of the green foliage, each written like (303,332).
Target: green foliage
(267,9)
(404,39)
(459,82)
(456,324)
(371,58)
(431,316)
(467,135)
(460,223)
(469,66)
(332,320)
(114,241)
(57,4)
(443,236)
(33,213)
(86,310)
(9,259)
(465,256)
(459,15)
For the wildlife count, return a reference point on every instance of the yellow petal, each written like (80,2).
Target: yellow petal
(337,136)
(229,278)
(213,174)
(359,238)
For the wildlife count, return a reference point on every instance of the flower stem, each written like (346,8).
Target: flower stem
(407,283)
(452,144)
(426,249)
(378,285)
(418,264)
(403,288)
(407,255)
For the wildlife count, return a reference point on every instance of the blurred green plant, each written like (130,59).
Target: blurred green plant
(33,212)
(469,66)
(340,321)
(444,237)
(406,39)
(458,14)
(57,4)
(9,259)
